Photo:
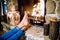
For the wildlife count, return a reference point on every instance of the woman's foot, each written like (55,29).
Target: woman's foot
(25,22)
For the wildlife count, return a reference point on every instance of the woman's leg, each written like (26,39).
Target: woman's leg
(15,30)
(17,35)
(25,21)
(10,33)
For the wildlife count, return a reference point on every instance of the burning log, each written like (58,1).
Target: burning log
(46,28)
(54,29)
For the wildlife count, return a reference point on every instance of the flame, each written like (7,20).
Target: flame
(38,9)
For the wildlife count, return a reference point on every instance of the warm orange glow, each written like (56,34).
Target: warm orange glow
(38,9)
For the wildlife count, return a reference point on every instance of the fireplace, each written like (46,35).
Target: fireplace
(34,8)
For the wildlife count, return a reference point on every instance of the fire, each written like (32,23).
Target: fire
(38,9)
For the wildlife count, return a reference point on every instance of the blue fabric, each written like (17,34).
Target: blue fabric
(12,34)
(17,35)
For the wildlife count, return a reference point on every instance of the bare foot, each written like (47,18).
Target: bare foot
(25,21)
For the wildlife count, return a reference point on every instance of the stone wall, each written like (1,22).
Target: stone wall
(52,9)
(10,2)
(50,6)
(58,9)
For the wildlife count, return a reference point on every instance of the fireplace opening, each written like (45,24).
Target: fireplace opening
(35,9)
